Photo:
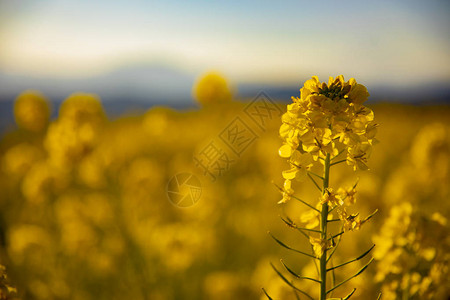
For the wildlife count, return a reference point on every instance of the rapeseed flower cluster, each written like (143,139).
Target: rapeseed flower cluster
(412,249)
(327,120)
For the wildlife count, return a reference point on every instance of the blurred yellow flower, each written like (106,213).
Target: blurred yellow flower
(32,111)
(77,130)
(212,88)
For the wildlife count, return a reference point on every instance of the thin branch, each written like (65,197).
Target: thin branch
(340,152)
(350,278)
(333,208)
(296,275)
(333,220)
(371,215)
(379,296)
(306,203)
(290,283)
(287,247)
(334,249)
(315,183)
(318,176)
(355,259)
(307,237)
(267,295)
(349,295)
(333,280)
(293,225)
(336,235)
(338,162)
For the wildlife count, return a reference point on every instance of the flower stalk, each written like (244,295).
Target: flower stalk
(323,229)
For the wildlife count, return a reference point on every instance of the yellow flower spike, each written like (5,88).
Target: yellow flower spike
(327,120)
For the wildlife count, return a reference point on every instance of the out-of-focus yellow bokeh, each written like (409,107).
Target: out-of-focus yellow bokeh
(85,212)
(32,111)
(212,88)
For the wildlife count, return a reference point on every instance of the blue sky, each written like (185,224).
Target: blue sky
(377,42)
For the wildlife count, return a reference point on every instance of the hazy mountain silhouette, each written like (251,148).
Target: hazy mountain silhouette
(153,84)
(139,87)
(163,85)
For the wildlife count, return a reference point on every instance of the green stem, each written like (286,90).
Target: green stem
(323,229)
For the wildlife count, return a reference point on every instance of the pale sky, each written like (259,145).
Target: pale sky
(399,42)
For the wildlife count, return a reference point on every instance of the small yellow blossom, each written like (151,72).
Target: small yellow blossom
(330,197)
(319,245)
(347,195)
(32,111)
(287,191)
(310,218)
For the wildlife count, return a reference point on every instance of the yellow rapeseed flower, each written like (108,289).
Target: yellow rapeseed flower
(32,111)
(327,119)
(212,88)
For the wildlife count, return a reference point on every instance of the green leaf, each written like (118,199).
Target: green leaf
(350,278)
(289,248)
(267,295)
(296,275)
(353,260)
(290,283)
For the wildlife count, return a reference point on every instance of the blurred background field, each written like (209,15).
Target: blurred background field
(85,212)
(98,117)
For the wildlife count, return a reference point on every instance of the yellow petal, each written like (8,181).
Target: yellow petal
(285,151)
(290,174)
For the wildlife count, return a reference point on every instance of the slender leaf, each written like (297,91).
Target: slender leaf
(287,247)
(315,183)
(296,275)
(336,235)
(338,162)
(350,278)
(340,152)
(306,203)
(333,220)
(371,215)
(293,225)
(353,260)
(334,249)
(290,283)
(267,295)
(318,176)
(346,297)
